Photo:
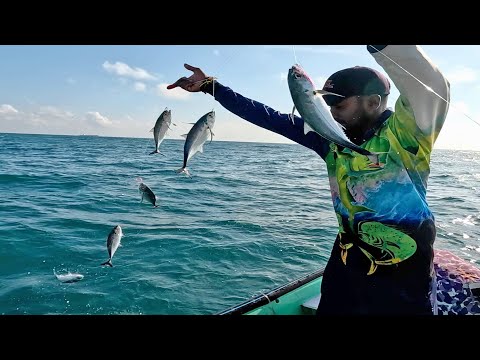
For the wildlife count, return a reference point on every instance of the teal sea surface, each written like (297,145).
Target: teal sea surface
(253,216)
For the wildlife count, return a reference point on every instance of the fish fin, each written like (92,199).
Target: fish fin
(108,262)
(324,92)
(211,134)
(292,115)
(307,128)
(343,255)
(200,149)
(184,135)
(373,266)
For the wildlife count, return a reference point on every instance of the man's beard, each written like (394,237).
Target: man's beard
(355,133)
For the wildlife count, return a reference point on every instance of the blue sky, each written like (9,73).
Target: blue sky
(119,90)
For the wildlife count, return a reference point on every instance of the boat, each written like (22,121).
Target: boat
(457,292)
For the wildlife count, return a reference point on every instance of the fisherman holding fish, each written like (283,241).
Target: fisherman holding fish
(378,163)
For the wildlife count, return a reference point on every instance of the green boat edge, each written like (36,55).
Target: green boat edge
(299,297)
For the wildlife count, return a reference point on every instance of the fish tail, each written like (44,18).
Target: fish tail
(108,262)
(155,152)
(183,170)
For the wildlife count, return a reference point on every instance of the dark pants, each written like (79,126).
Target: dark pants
(400,289)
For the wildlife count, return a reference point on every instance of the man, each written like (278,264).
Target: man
(382,258)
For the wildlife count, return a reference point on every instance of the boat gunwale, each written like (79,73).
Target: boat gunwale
(272,295)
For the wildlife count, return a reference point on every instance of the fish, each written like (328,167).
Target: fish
(395,245)
(196,137)
(113,242)
(148,194)
(316,114)
(68,277)
(160,129)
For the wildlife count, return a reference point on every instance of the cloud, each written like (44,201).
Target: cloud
(176,93)
(324,49)
(122,69)
(7,109)
(461,74)
(53,111)
(216,52)
(50,117)
(71,81)
(283,76)
(44,119)
(96,118)
(139,86)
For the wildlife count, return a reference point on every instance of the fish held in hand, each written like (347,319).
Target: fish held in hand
(316,114)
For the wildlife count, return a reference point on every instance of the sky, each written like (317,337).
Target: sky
(120,90)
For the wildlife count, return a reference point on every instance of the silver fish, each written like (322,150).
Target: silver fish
(196,137)
(160,129)
(113,242)
(316,114)
(68,277)
(148,194)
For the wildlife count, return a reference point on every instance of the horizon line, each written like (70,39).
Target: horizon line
(180,139)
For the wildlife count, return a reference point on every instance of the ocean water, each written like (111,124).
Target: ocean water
(252,217)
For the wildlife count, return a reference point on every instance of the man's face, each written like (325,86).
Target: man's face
(350,112)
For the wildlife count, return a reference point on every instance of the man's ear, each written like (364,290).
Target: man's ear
(374,101)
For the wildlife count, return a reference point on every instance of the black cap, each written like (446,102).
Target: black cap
(357,80)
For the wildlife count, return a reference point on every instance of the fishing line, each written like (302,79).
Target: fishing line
(144,152)
(213,79)
(222,66)
(426,86)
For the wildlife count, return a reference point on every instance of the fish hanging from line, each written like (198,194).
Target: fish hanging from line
(317,116)
(160,129)
(200,132)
